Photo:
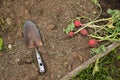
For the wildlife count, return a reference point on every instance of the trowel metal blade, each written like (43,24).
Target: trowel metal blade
(31,35)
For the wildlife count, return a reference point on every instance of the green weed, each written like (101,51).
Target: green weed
(98,50)
(103,69)
(1,44)
(2,24)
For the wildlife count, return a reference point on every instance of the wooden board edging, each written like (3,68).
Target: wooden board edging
(90,61)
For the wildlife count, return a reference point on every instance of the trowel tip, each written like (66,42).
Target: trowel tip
(31,35)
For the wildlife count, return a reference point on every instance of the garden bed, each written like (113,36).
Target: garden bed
(60,53)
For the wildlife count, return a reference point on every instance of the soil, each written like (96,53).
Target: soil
(60,53)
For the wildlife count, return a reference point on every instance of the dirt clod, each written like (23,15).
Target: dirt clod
(28,60)
(51,27)
(70,67)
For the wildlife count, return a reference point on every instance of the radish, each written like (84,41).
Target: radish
(77,23)
(84,32)
(71,34)
(93,43)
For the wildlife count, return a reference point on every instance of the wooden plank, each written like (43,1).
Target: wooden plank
(90,61)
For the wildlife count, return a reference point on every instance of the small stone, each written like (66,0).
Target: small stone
(94,12)
(70,67)
(9,46)
(58,76)
(65,63)
(53,46)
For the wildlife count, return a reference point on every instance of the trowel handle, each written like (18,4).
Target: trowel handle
(40,63)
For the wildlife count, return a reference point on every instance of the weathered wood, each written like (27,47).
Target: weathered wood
(90,61)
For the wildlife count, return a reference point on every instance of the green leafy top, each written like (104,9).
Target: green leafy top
(1,43)
(69,28)
(115,14)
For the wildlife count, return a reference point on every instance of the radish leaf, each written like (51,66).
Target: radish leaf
(70,27)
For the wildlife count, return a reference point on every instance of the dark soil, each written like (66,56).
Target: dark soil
(60,53)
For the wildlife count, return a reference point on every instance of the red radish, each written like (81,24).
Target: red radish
(71,34)
(93,42)
(77,23)
(84,32)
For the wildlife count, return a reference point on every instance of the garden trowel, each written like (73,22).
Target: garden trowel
(33,40)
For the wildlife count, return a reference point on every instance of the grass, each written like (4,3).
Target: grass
(2,22)
(109,68)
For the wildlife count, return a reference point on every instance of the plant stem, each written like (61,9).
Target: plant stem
(105,38)
(99,13)
(86,25)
